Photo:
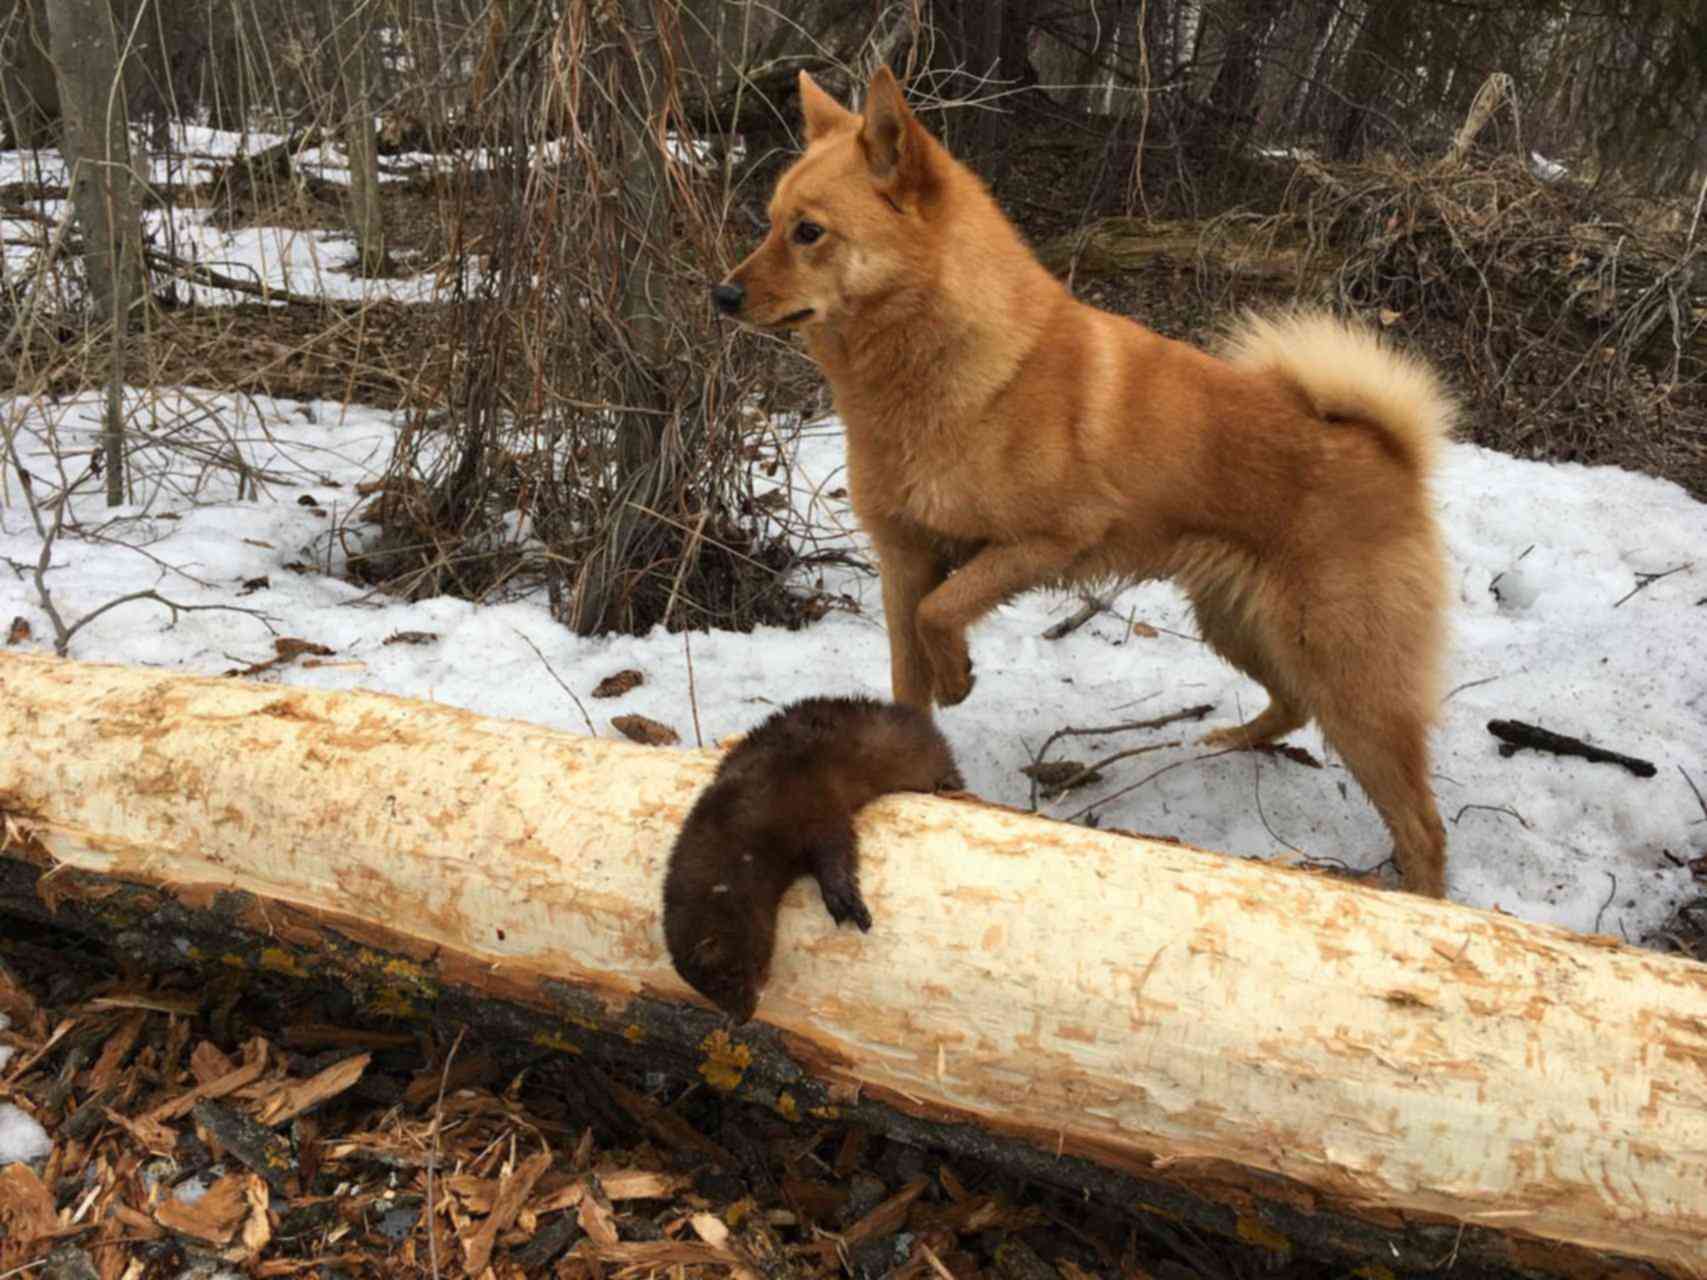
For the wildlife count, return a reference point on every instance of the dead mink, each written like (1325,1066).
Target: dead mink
(780,807)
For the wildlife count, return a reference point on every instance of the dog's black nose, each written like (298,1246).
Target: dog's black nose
(728,298)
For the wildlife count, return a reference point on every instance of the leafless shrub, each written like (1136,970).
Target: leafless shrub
(598,426)
(1577,325)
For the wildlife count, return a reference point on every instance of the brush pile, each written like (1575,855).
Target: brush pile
(1573,320)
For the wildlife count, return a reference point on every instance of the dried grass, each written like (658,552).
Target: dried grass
(1576,324)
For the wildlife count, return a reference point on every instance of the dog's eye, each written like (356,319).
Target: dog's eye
(807,232)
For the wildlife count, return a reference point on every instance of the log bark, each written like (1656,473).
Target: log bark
(1261,1051)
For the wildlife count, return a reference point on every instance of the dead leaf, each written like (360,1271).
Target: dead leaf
(614,686)
(411,637)
(285,649)
(645,731)
(1144,631)
(19,631)
(252,585)
(1060,775)
(1390,317)
(288,647)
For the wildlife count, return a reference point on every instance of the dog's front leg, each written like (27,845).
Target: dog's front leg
(997,573)
(910,568)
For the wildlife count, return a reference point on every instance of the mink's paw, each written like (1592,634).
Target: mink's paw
(842,900)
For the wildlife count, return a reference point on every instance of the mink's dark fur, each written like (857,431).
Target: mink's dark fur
(780,807)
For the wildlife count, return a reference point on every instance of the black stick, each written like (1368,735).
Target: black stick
(1514,735)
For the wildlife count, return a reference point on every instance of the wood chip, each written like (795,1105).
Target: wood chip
(215,1217)
(888,1217)
(113,1054)
(710,1228)
(254,1062)
(26,1208)
(147,1131)
(597,1221)
(293,1099)
(512,1195)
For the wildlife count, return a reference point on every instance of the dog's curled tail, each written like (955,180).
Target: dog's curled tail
(1344,371)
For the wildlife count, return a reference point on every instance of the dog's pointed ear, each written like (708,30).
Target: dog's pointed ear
(893,140)
(822,113)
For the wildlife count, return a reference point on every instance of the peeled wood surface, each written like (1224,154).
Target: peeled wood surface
(1152,1007)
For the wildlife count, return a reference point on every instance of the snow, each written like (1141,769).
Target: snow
(305,261)
(1543,558)
(21,1138)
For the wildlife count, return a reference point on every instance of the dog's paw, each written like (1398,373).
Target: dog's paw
(1233,739)
(952,684)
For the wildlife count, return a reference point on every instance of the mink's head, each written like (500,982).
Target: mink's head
(722,951)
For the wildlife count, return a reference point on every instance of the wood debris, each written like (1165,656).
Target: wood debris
(191,1126)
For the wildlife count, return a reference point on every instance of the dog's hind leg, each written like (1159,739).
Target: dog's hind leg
(1372,699)
(1230,635)
(1385,745)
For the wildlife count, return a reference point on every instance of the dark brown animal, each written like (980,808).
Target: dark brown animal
(780,807)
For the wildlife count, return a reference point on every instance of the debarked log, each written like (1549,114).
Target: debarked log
(1263,1051)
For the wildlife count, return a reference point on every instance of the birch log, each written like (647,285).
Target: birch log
(1285,1047)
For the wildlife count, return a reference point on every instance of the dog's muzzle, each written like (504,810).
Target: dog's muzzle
(728,298)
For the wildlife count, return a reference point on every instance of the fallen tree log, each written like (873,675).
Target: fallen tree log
(1261,1051)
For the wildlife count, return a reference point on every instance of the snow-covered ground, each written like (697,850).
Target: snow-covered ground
(313,261)
(1543,557)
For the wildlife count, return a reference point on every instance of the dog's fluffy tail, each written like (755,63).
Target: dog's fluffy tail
(1344,371)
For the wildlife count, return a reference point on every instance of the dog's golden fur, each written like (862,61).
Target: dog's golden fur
(1004,436)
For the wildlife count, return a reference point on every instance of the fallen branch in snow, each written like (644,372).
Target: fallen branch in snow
(62,630)
(1058,782)
(1515,735)
(196,273)
(1092,606)
(1646,580)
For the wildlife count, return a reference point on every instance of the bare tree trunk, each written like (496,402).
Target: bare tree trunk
(97,152)
(645,199)
(352,38)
